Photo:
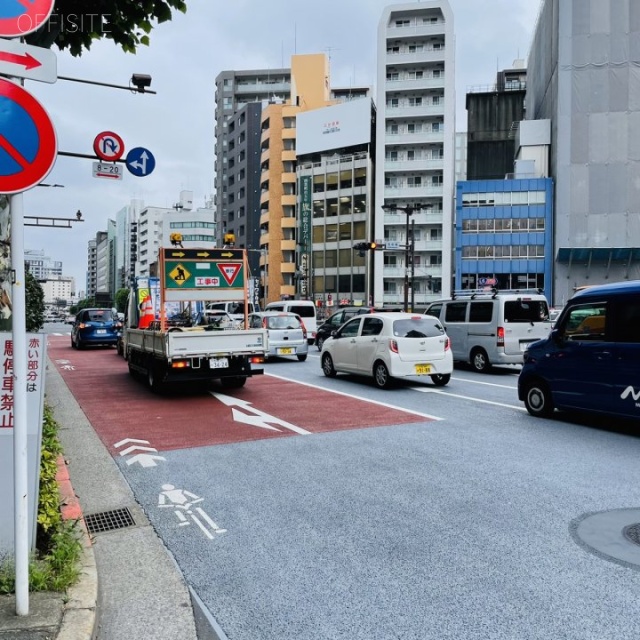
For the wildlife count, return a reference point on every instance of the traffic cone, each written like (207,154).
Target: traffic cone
(147,316)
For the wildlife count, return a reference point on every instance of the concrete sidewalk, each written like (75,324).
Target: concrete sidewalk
(130,585)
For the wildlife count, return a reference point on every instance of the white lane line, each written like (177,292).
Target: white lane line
(457,395)
(347,395)
(489,384)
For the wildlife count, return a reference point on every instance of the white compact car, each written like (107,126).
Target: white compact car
(287,335)
(389,345)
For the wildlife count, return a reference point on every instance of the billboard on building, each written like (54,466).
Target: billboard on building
(335,127)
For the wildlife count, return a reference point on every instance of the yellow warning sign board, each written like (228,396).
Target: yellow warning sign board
(180,274)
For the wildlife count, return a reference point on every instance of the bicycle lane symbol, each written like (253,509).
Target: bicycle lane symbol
(182,502)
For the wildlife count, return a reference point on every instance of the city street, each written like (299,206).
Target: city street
(301,507)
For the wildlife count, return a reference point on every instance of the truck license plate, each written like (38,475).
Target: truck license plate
(421,369)
(218,363)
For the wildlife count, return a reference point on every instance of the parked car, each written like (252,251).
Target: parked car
(335,320)
(97,327)
(287,334)
(389,345)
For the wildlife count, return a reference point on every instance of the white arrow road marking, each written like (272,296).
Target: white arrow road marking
(457,395)
(134,447)
(145,460)
(259,418)
(126,440)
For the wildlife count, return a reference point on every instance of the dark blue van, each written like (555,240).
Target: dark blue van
(591,359)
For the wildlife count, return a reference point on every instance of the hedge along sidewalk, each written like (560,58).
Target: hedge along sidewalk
(79,613)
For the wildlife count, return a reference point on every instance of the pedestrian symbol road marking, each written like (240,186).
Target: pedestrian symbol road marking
(180,274)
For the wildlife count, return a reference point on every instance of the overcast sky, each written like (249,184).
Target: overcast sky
(184,58)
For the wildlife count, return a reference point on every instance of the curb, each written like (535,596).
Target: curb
(79,613)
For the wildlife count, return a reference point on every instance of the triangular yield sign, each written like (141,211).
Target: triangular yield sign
(229,270)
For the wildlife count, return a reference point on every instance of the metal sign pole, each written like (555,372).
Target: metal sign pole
(20,472)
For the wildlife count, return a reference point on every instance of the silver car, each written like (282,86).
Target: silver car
(389,345)
(287,333)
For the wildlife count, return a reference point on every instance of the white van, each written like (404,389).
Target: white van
(306,309)
(234,308)
(492,327)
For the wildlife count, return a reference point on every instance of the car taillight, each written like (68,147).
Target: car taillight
(304,329)
(447,344)
(264,323)
(393,346)
(500,337)
(82,325)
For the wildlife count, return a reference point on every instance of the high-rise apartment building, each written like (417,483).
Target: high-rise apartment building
(583,76)
(240,96)
(415,157)
(310,89)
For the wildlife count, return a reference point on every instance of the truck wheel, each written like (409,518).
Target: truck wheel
(154,376)
(233,383)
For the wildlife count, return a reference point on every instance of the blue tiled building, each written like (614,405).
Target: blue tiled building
(504,234)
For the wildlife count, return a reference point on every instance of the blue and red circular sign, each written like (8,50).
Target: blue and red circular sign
(28,145)
(108,146)
(20,17)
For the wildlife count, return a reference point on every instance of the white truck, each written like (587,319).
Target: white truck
(167,337)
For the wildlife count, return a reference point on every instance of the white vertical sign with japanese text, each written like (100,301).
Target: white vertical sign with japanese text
(36,358)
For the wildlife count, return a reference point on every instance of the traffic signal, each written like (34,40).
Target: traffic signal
(365,246)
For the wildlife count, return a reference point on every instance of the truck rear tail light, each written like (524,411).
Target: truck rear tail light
(256,359)
(500,334)
(180,364)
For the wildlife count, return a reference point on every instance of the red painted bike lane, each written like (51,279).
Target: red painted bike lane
(120,407)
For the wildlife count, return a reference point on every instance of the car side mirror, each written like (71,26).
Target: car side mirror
(557,337)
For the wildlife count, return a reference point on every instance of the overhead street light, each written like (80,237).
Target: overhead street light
(409,251)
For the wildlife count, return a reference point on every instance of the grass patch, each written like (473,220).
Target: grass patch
(56,563)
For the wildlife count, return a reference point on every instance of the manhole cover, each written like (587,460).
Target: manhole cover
(632,533)
(109,520)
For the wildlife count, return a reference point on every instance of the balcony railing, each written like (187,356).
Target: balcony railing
(414,84)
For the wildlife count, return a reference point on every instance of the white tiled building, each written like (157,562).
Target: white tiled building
(415,151)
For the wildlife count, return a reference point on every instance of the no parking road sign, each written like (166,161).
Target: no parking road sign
(28,144)
(20,17)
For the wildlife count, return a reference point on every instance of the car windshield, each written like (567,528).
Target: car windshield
(525,310)
(283,322)
(417,328)
(98,315)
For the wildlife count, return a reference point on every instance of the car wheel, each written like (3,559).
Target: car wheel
(302,357)
(441,379)
(381,375)
(319,343)
(233,383)
(538,400)
(73,344)
(480,361)
(79,344)
(327,366)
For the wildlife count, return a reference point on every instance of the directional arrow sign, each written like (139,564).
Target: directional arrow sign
(24,61)
(145,459)
(140,162)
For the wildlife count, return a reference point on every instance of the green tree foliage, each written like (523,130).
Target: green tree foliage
(76,24)
(34,301)
(121,299)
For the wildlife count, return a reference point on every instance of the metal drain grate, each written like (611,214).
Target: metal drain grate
(109,520)
(632,533)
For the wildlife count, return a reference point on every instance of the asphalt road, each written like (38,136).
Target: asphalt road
(308,508)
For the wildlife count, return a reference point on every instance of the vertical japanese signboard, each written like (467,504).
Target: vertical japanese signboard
(36,353)
(305,233)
